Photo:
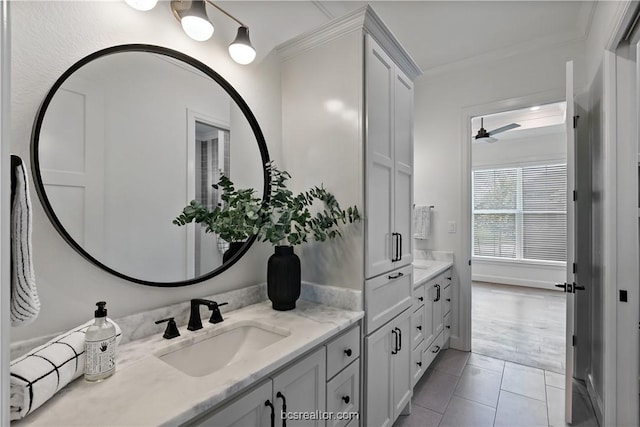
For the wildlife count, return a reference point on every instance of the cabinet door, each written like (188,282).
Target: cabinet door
(401,364)
(248,410)
(302,387)
(438,305)
(379,382)
(428,330)
(379,175)
(403,166)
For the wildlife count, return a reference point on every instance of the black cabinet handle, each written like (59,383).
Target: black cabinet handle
(436,350)
(437,293)
(346,399)
(394,247)
(420,298)
(273,413)
(448,326)
(395,347)
(348,352)
(395,276)
(400,334)
(419,364)
(448,278)
(419,328)
(400,247)
(284,408)
(448,299)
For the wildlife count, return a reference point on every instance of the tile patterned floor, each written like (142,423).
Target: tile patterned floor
(468,389)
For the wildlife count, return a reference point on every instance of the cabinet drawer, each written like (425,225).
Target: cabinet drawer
(342,351)
(432,351)
(446,295)
(447,278)
(419,296)
(417,327)
(387,296)
(417,367)
(343,393)
(447,327)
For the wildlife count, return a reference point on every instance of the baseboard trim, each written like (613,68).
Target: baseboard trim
(596,401)
(515,282)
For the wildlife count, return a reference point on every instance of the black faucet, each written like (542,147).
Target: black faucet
(195,321)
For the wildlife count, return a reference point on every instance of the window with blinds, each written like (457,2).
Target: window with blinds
(520,213)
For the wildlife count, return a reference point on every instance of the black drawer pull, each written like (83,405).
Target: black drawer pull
(448,327)
(348,352)
(448,299)
(448,278)
(396,276)
(273,414)
(346,399)
(436,350)
(419,328)
(284,408)
(420,298)
(419,364)
(400,333)
(395,347)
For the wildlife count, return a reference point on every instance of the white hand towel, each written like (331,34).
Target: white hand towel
(25,304)
(41,373)
(422,222)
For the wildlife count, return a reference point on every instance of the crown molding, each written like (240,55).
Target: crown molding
(362,19)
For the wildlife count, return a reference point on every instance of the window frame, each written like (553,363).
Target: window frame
(518,211)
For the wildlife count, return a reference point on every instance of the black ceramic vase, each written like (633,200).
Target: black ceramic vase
(234,248)
(283,278)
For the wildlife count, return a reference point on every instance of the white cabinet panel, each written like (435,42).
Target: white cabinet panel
(249,410)
(302,388)
(402,383)
(387,296)
(343,394)
(342,351)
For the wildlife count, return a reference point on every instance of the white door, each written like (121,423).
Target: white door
(403,168)
(570,285)
(302,388)
(252,409)
(380,348)
(379,175)
(71,150)
(402,372)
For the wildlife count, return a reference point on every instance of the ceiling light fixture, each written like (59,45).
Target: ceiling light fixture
(142,5)
(195,22)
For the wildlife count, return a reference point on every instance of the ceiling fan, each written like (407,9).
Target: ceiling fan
(484,136)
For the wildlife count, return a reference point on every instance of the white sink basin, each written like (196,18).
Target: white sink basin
(211,353)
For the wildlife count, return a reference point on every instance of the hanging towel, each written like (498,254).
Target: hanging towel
(25,304)
(41,373)
(422,221)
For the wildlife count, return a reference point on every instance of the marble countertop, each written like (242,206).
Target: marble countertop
(424,270)
(146,391)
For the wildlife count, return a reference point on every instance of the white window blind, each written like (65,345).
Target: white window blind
(520,213)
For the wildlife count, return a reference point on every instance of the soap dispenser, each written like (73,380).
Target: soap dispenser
(100,347)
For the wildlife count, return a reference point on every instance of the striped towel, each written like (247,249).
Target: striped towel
(25,304)
(41,373)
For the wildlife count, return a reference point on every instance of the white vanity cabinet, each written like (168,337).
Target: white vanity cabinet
(430,322)
(299,388)
(327,380)
(389,385)
(389,162)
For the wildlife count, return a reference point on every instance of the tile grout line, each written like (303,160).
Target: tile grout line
(495,414)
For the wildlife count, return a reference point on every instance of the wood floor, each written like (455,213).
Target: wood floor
(519,324)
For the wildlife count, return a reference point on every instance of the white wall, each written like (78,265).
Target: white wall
(48,37)
(440,101)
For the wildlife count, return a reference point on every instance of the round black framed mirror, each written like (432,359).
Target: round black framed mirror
(126,138)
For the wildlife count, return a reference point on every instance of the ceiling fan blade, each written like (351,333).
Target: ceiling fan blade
(504,128)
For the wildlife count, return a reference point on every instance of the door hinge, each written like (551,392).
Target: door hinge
(573,340)
(575,121)
(575,195)
(575,268)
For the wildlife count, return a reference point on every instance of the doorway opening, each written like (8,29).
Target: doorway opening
(518,223)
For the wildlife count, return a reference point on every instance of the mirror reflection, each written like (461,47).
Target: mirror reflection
(126,142)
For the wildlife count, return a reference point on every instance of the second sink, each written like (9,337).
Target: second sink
(215,352)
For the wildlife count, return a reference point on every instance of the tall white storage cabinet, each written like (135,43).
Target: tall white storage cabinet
(347,107)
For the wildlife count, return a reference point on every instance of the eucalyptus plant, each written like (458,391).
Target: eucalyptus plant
(234,220)
(288,218)
(284,218)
